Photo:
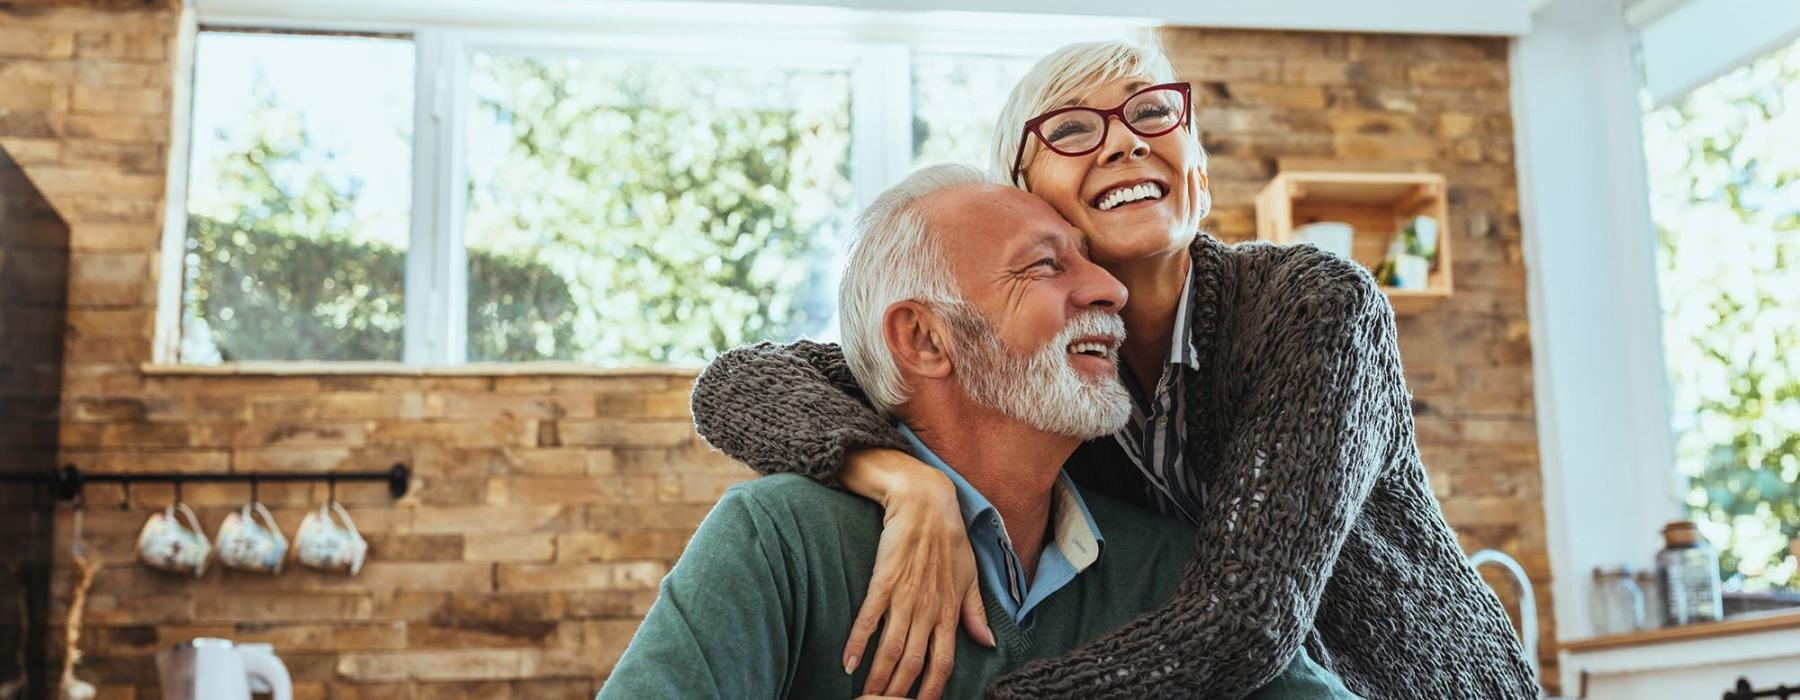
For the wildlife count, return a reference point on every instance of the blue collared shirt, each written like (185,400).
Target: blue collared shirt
(1076,543)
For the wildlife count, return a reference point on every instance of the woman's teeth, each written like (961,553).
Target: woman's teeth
(1127,195)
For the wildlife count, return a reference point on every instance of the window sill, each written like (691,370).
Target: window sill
(1744,624)
(399,369)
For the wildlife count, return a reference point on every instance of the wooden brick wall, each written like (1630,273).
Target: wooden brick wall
(1274,101)
(34,269)
(545,508)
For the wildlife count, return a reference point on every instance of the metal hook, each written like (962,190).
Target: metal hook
(177,490)
(79,548)
(125,504)
(253,490)
(331,490)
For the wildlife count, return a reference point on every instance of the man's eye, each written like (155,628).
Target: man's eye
(1045,263)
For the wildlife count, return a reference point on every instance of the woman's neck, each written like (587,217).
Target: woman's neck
(1149,314)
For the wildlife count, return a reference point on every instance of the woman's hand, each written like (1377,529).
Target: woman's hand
(924,576)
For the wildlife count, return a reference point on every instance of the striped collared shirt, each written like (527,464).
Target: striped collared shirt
(1158,429)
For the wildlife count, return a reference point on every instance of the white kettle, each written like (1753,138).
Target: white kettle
(208,668)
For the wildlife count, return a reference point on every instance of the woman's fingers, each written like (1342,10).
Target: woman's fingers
(943,659)
(867,619)
(892,644)
(974,617)
(912,661)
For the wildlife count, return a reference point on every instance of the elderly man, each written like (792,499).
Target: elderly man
(973,317)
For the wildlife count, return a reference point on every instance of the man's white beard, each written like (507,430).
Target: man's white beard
(1042,390)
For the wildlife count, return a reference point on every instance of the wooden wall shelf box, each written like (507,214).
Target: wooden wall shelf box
(1377,205)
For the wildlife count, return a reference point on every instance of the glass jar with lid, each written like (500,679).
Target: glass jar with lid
(1618,603)
(1688,570)
(1653,599)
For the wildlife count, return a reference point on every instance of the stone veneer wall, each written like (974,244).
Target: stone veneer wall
(546,507)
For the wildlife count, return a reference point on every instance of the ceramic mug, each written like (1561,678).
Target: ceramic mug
(1412,272)
(324,543)
(250,540)
(1335,237)
(167,543)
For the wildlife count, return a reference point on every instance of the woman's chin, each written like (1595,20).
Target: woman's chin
(1138,239)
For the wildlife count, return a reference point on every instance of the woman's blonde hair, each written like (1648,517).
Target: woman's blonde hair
(1063,78)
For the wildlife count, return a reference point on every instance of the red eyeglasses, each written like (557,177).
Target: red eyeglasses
(1078,131)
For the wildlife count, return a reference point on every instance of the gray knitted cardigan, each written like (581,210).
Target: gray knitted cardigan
(1318,525)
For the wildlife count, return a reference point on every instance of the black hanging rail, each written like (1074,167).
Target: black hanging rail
(1744,691)
(68,481)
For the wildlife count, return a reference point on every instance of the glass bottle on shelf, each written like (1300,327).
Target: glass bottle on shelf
(1688,570)
(1618,604)
(1654,616)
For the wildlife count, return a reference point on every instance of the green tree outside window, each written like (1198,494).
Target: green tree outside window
(1725,196)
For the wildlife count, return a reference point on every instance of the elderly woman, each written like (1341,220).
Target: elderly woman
(1271,413)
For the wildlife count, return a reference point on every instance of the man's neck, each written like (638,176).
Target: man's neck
(1012,464)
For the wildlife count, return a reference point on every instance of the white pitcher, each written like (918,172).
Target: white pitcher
(208,668)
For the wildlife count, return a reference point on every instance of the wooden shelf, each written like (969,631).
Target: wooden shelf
(1758,622)
(1376,205)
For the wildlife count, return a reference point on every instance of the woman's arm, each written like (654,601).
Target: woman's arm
(797,408)
(924,575)
(788,409)
(1323,416)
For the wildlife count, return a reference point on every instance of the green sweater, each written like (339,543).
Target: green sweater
(761,603)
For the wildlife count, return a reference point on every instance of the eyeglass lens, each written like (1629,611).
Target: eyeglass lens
(1077,131)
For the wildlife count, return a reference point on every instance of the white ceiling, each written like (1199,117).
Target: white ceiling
(1475,17)
(1489,17)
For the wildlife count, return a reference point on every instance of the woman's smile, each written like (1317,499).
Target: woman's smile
(1128,194)
(1135,197)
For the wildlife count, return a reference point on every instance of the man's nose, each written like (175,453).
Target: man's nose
(1121,142)
(1096,289)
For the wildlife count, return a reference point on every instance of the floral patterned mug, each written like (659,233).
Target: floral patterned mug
(324,543)
(169,544)
(250,540)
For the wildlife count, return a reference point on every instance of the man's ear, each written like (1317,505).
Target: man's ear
(917,339)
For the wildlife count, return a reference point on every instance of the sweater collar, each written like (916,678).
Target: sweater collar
(1209,277)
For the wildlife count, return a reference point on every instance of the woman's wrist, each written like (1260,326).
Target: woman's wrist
(891,477)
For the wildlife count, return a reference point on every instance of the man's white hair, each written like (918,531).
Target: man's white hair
(1063,78)
(893,258)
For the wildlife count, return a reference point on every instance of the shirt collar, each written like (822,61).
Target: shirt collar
(1076,534)
(1182,351)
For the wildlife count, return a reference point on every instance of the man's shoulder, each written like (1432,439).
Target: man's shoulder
(791,496)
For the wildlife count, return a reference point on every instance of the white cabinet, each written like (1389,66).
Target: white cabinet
(1688,663)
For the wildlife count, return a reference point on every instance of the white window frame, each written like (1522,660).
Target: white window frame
(876,46)
(1611,478)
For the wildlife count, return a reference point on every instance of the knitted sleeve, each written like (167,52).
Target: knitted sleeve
(788,408)
(1322,401)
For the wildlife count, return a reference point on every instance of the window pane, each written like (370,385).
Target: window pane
(1725,196)
(631,212)
(956,99)
(299,198)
